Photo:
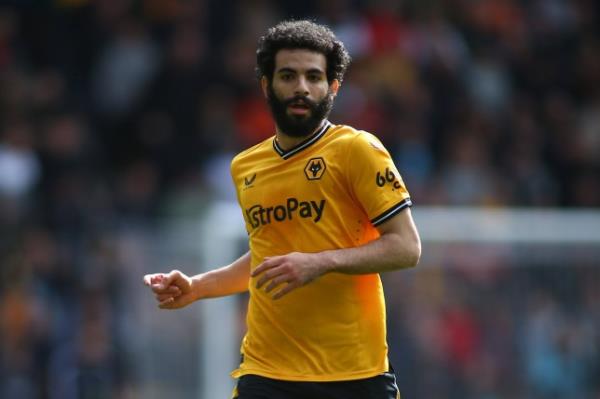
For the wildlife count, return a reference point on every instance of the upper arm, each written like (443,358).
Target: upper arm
(402,228)
(401,224)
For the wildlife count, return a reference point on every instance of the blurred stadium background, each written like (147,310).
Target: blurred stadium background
(118,119)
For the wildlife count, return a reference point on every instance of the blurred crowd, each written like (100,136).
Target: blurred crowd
(116,115)
(496,327)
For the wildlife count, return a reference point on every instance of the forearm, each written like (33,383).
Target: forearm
(227,280)
(398,246)
(388,252)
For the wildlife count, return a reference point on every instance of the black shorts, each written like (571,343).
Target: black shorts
(253,386)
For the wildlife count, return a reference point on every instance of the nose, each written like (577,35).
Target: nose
(301,87)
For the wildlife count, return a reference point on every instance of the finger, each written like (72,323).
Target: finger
(265,265)
(268,275)
(161,289)
(276,282)
(285,290)
(167,303)
(150,279)
(171,289)
(173,293)
(154,279)
(163,297)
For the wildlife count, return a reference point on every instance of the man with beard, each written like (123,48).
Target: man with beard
(326,211)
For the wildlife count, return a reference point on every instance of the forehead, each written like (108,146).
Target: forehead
(300,59)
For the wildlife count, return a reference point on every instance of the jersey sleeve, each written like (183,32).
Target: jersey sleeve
(374,179)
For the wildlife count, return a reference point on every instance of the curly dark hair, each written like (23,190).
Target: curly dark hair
(302,34)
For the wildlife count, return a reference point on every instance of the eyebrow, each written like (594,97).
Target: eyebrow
(291,70)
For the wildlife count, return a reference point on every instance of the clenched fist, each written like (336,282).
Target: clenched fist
(172,290)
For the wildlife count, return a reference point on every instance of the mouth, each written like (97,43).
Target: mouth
(299,108)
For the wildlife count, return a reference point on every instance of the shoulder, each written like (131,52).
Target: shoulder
(253,152)
(358,140)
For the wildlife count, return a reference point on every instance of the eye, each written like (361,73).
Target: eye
(314,78)
(286,76)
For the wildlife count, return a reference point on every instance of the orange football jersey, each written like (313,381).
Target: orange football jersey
(328,192)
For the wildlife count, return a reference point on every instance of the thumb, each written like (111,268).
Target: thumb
(175,277)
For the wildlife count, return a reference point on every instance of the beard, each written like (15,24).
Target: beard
(298,125)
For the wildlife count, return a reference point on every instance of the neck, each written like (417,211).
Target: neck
(286,142)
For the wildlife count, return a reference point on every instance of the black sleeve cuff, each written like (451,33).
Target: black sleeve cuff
(390,213)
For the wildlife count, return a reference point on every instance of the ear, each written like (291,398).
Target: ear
(334,86)
(264,83)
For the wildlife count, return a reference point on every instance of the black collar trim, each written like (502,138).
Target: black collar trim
(305,144)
